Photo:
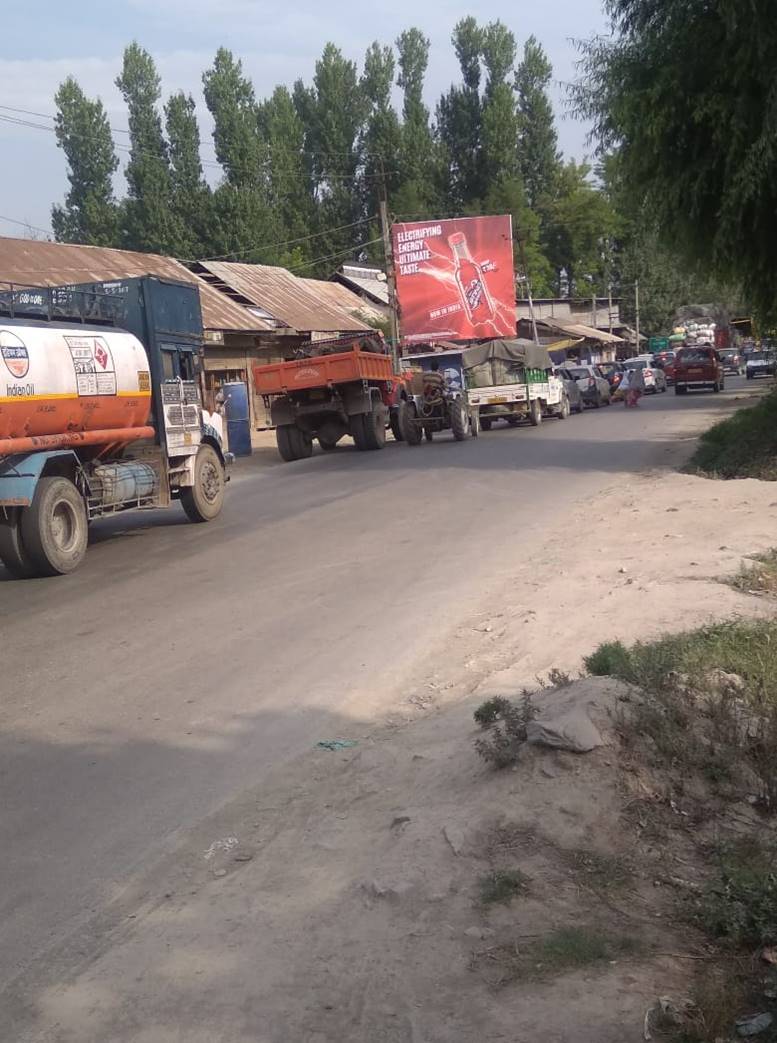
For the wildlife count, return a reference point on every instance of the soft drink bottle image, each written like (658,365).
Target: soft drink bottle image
(470,280)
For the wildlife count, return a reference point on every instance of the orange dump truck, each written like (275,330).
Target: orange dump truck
(332,394)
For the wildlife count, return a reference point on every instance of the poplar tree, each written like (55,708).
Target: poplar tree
(150,223)
(90,213)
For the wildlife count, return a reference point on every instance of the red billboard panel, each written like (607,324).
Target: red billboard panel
(455,278)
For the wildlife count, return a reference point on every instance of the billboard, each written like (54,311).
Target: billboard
(455,278)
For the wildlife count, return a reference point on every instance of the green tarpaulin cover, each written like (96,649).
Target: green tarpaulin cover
(523,352)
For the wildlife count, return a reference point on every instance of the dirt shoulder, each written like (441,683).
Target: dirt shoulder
(342,901)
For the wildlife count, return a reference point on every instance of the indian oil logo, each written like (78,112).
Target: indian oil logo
(14,354)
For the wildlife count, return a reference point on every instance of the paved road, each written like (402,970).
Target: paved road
(181,661)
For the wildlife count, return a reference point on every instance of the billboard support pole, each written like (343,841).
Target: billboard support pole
(389,254)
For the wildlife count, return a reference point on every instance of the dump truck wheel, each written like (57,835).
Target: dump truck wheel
(373,427)
(293,443)
(12,551)
(395,429)
(411,431)
(203,500)
(54,531)
(459,421)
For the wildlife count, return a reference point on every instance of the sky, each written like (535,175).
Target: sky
(43,41)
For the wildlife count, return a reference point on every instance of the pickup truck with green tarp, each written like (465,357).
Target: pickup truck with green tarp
(512,380)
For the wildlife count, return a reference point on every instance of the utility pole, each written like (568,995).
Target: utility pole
(389,254)
(535,334)
(609,304)
(636,309)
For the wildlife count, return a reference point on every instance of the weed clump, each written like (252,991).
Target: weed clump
(760,577)
(501,886)
(709,703)
(740,902)
(507,729)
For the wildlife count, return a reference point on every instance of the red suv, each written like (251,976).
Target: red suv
(698,367)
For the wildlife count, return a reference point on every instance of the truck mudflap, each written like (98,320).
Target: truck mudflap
(20,474)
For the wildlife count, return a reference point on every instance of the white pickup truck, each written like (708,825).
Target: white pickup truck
(512,380)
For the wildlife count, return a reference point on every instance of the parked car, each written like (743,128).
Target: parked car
(761,364)
(698,367)
(733,362)
(571,390)
(612,373)
(655,379)
(594,388)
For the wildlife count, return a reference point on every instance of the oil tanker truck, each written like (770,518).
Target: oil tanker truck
(100,412)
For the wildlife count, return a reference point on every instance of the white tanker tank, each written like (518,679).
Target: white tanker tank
(67,380)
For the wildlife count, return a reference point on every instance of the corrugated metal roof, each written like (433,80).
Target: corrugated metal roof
(29,262)
(578,329)
(282,295)
(371,281)
(341,297)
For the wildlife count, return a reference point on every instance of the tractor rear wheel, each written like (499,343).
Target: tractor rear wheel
(408,424)
(458,420)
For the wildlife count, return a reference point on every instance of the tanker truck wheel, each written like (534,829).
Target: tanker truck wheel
(54,530)
(203,500)
(12,551)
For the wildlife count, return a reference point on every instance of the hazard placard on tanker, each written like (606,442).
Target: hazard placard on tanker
(93,364)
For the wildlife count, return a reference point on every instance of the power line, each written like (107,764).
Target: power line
(25,224)
(289,242)
(322,177)
(272,147)
(331,257)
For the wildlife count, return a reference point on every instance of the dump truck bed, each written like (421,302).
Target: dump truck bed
(279,378)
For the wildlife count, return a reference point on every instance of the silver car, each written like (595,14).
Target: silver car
(594,388)
(655,378)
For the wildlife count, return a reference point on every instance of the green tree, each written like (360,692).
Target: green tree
(190,194)
(289,178)
(90,214)
(382,133)
(229,96)
(336,110)
(666,280)
(580,224)
(150,224)
(686,92)
(246,221)
(459,118)
(499,123)
(417,159)
(538,142)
